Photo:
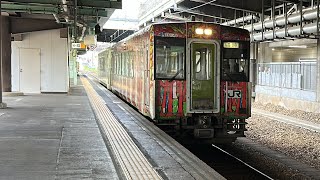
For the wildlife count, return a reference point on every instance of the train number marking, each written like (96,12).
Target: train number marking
(234,94)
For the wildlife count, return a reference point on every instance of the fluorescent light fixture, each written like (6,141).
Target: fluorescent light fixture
(199,31)
(298,46)
(208,32)
(307,59)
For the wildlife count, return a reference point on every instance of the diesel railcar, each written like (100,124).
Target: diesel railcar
(193,76)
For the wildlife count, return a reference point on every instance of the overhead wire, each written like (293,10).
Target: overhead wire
(196,7)
(189,9)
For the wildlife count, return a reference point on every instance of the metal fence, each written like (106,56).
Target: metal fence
(301,75)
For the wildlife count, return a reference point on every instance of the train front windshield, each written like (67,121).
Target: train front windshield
(235,61)
(169,58)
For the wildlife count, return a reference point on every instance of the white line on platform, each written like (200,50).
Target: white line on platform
(19,99)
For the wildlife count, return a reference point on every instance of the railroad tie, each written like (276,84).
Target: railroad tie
(133,163)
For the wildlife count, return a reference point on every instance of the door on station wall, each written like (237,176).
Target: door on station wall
(29,70)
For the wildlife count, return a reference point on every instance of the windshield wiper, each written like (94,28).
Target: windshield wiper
(177,73)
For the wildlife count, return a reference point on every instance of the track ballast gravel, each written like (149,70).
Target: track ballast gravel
(298,143)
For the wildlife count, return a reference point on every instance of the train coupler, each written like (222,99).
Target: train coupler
(203,133)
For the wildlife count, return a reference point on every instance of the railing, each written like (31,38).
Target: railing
(301,75)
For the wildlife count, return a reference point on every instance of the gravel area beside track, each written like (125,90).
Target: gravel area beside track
(301,144)
(303,115)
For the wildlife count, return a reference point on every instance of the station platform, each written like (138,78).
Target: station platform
(88,134)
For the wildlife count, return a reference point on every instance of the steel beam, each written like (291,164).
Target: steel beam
(224,6)
(82,11)
(29,8)
(88,3)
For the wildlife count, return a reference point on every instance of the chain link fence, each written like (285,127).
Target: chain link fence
(301,75)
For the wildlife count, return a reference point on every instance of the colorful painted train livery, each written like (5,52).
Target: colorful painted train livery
(191,76)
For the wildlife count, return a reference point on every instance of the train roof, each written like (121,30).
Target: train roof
(147,28)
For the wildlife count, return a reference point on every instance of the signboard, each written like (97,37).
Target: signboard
(78,46)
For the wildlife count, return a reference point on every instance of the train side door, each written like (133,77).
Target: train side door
(203,77)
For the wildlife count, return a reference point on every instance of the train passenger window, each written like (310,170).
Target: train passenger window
(169,58)
(203,64)
(123,64)
(130,60)
(235,61)
(115,68)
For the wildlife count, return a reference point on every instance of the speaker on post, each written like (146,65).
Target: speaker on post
(97,29)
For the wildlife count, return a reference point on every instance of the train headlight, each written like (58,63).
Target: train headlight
(208,32)
(199,31)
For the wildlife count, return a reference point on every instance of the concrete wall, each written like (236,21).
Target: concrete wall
(53,58)
(290,98)
(293,55)
(288,103)
(281,52)
(264,53)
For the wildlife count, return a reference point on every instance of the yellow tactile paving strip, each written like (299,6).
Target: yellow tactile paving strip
(132,161)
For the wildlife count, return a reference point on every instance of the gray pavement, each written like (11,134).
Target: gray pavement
(52,136)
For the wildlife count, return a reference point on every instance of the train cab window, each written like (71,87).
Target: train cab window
(203,64)
(169,58)
(235,61)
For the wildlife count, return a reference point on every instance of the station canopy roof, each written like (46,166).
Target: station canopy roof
(136,14)
(218,11)
(89,12)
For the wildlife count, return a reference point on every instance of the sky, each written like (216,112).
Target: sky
(125,18)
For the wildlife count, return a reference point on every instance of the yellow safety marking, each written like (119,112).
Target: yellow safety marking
(132,161)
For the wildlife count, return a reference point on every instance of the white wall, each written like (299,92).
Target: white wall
(53,58)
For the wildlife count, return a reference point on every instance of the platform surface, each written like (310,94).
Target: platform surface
(52,136)
(58,136)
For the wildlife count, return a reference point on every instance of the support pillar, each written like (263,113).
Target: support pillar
(73,67)
(2,104)
(318,71)
(6,54)
(253,65)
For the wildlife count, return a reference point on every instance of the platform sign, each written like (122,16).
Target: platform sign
(76,45)
(80,45)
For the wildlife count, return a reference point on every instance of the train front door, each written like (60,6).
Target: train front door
(203,77)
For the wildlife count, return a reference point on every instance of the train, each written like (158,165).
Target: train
(190,76)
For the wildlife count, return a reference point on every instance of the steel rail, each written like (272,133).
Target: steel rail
(246,164)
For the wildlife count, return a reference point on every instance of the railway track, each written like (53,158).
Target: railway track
(228,165)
